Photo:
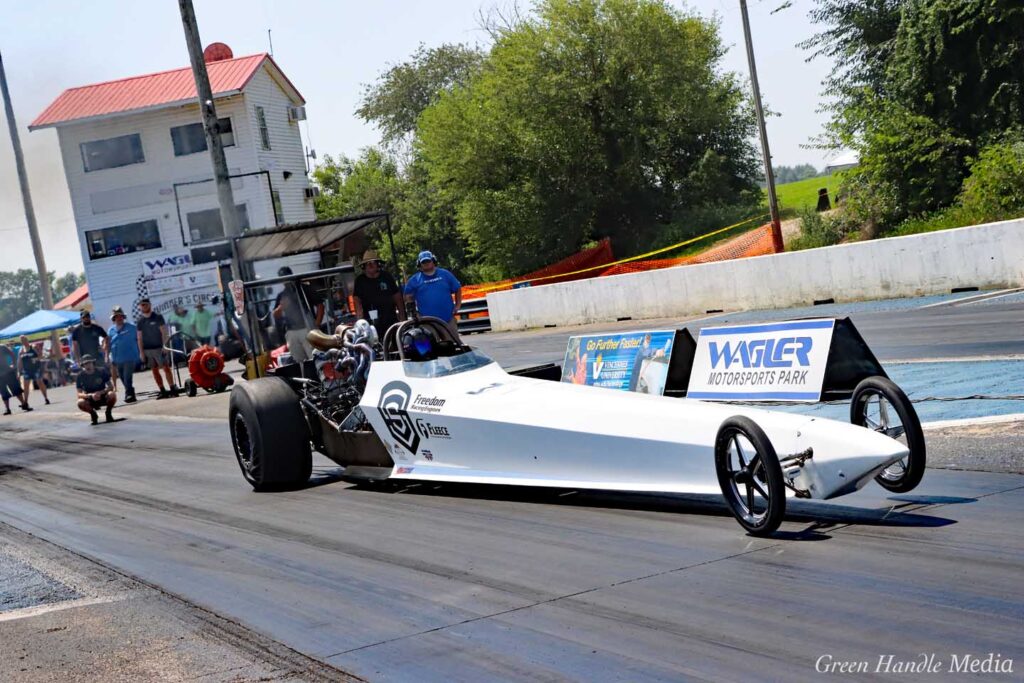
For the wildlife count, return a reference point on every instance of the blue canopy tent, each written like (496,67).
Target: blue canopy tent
(40,321)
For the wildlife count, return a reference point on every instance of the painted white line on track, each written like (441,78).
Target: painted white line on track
(957,359)
(27,612)
(972,421)
(967,300)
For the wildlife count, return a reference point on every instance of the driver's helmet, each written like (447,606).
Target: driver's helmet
(419,345)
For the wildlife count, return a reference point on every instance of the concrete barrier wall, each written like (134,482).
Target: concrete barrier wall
(985,256)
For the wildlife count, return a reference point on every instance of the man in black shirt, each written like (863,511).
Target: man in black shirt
(88,339)
(95,390)
(152,337)
(9,380)
(377,296)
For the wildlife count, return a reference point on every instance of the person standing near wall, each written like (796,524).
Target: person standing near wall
(433,289)
(124,351)
(200,322)
(31,367)
(152,337)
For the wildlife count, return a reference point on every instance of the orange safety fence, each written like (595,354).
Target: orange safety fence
(755,242)
(561,271)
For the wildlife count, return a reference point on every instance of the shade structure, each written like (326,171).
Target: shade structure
(40,321)
(296,238)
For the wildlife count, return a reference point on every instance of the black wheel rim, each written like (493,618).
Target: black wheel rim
(244,448)
(878,414)
(747,477)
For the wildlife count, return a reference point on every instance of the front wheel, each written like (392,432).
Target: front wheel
(880,405)
(750,476)
(270,435)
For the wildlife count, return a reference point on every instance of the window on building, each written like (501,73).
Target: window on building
(261,123)
(278,209)
(123,239)
(191,138)
(204,226)
(112,152)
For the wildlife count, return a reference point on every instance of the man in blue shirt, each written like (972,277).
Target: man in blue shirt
(124,351)
(432,289)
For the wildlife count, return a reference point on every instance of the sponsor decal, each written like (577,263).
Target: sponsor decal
(769,361)
(762,353)
(427,404)
(167,264)
(431,431)
(427,454)
(393,407)
(404,470)
(630,361)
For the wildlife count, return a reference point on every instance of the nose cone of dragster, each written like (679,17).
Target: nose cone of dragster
(845,457)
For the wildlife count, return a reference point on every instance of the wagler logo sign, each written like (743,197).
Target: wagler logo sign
(769,361)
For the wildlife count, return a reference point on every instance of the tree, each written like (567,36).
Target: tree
(20,293)
(394,103)
(919,87)
(590,118)
(791,174)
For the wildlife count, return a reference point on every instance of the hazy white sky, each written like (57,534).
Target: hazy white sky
(329,49)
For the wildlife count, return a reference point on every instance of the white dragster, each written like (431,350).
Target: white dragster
(436,410)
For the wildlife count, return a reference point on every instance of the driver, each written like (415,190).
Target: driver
(288,308)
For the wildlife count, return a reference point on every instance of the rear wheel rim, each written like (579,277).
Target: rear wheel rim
(878,414)
(747,479)
(244,447)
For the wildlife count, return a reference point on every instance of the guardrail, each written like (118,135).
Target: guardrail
(469,319)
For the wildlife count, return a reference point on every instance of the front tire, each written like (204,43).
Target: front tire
(750,476)
(874,401)
(270,435)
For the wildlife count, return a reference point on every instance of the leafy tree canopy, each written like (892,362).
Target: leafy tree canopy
(919,87)
(588,118)
(20,293)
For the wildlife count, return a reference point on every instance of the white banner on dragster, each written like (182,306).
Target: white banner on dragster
(771,361)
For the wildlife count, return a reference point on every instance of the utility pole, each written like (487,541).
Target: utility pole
(225,196)
(773,202)
(26,200)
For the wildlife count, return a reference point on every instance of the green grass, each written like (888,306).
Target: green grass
(804,193)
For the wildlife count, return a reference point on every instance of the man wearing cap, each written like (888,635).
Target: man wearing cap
(88,339)
(432,289)
(95,390)
(200,322)
(376,294)
(124,351)
(151,335)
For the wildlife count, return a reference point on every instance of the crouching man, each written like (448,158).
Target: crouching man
(95,390)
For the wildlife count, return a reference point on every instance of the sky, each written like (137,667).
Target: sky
(330,49)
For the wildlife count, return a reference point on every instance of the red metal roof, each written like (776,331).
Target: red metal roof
(74,298)
(151,91)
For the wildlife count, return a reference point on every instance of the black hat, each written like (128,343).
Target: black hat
(284,270)
(85,314)
(87,358)
(144,300)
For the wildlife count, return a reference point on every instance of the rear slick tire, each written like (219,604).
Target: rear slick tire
(906,474)
(270,435)
(751,482)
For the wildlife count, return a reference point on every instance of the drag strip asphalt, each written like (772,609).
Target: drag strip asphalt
(459,583)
